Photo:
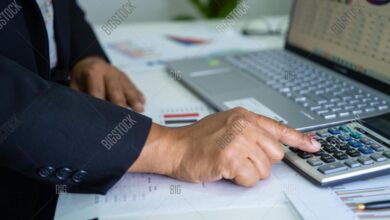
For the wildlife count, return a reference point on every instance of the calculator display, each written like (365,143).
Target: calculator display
(380,124)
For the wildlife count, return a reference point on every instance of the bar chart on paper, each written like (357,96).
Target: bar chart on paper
(377,189)
(180,115)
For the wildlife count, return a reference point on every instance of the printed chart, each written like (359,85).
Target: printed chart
(371,191)
(153,50)
(181,116)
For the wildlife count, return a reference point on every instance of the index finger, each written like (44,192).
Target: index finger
(289,136)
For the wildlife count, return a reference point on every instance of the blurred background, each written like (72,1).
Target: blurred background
(164,10)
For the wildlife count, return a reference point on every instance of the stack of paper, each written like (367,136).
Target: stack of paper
(147,194)
(323,204)
(152,50)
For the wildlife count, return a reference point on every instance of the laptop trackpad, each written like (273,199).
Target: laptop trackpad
(218,81)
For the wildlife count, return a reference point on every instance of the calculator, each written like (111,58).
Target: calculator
(350,151)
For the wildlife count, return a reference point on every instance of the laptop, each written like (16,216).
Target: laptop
(334,68)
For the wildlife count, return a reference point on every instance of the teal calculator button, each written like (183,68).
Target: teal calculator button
(345,128)
(356,135)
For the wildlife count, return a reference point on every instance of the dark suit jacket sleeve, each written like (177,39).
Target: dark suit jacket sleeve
(55,135)
(83,40)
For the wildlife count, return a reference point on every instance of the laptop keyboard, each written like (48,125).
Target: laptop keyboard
(314,89)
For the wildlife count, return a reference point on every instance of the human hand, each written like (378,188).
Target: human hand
(93,75)
(237,145)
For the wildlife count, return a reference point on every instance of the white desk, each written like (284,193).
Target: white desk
(159,88)
(155,84)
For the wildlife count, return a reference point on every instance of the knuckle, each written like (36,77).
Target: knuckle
(260,117)
(235,165)
(96,90)
(283,130)
(95,69)
(277,153)
(131,94)
(228,154)
(117,97)
(240,110)
(239,139)
(237,119)
(89,73)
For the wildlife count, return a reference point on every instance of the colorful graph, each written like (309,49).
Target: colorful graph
(181,115)
(188,41)
(132,51)
(179,119)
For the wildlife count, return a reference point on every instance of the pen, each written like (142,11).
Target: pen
(374,205)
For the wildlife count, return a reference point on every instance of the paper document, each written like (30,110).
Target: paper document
(179,115)
(147,194)
(342,199)
(152,50)
(371,190)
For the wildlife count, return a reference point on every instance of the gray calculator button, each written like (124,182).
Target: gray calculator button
(336,109)
(365,160)
(323,133)
(376,147)
(352,163)
(348,108)
(315,107)
(370,109)
(329,116)
(383,107)
(365,140)
(378,157)
(343,114)
(314,162)
(387,154)
(332,168)
(322,112)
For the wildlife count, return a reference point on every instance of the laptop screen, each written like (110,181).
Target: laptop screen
(352,33)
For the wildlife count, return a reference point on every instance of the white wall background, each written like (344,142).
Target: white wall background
(98,11)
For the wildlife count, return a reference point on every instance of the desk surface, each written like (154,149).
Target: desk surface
(156,95)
